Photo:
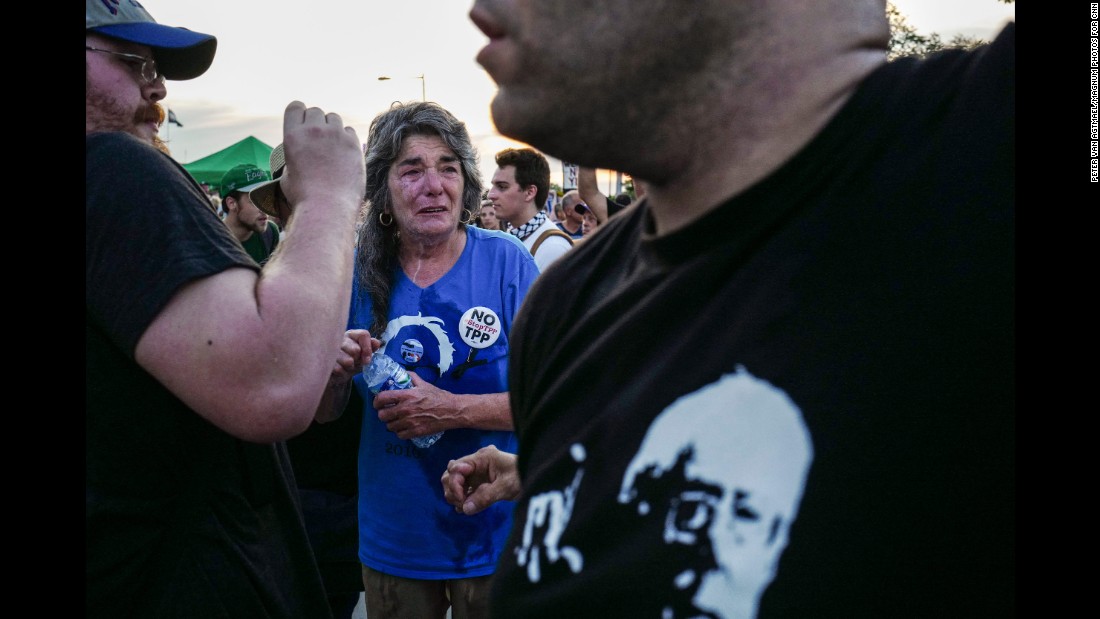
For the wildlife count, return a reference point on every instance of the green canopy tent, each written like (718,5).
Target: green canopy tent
(210,168)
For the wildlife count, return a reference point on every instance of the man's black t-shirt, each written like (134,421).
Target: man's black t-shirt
(802,404)
(181,519)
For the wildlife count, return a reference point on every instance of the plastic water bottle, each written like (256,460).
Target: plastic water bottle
(384,374)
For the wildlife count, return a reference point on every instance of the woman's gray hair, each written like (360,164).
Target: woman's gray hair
(376,256)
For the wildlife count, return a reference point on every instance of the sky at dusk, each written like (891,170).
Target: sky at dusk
(332,55)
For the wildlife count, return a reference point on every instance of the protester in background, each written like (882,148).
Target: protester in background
(249,224)
(520,185)
(602,206)
(197,363)
(825,261)
(215,199)
(558,215)
(487,216)
(551,202)
(571,218)
(269,198)
(438,296)
(589,223)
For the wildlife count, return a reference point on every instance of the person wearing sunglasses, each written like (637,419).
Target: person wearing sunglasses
(572,218)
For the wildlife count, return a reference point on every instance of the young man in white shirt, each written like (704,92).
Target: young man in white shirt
(520,184)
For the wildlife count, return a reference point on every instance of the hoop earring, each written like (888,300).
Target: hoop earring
(383,221)
(467,216)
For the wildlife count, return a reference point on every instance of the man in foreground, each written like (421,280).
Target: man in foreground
(783,386)
(189,510)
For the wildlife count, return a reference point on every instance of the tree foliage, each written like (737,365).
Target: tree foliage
(906,41)
(628,186)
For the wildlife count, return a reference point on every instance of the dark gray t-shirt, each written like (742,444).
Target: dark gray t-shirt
(181,519)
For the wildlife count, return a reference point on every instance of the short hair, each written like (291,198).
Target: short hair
(236,195)
(531,169)
(572,197)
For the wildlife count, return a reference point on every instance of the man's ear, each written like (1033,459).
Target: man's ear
(230,204)
(530,192)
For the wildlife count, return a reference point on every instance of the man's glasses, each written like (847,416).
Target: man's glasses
(148,66)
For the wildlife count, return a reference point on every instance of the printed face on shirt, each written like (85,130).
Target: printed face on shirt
(513,202)
(426,184)
(720,476)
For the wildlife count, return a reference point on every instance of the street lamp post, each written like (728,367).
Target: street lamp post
(423,85)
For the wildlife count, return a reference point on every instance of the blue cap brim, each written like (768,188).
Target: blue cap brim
(181,54)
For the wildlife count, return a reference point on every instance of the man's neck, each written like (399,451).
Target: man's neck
(425,263)
(744,109)
(525,215)
(754,151)
(568,225)
(240,231)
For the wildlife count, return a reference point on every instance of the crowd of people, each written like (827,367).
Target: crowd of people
(569,212)
(778,382)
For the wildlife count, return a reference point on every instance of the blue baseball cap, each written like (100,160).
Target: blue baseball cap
(181,54)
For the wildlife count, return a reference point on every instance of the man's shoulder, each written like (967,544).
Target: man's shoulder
(948,79)
(105,150)
(549,244)
(96,143)
(548,226)
(561,227)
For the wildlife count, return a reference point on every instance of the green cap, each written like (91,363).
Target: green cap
(244,177)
